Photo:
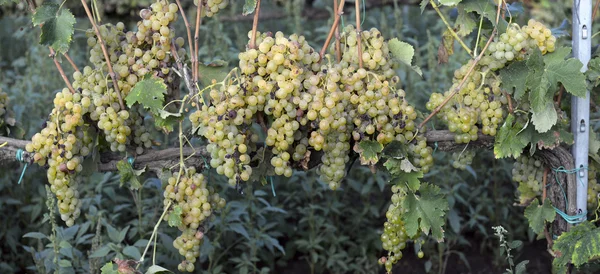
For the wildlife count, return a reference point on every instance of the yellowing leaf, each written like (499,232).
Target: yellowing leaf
(368,151)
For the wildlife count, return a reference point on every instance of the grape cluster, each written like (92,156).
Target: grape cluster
(61,146)
(479,103)
(94,108)
(304,106)
(211,7)
(529,173)
(460,160)
(394,236)
(197,201)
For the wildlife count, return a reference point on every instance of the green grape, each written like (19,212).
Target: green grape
(189,191)
(460,160)
(529,173)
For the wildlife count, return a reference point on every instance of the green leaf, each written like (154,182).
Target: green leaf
(64,263)
(132,252)
(514,77)
(423,5)
(465,23)
(175,216)
(449,2)
(100,252)
(249,7)
(593,73)
(521,268)
(549,139)
(594,143)
(399,166)
(425,210)
(129,175)
(395,149)
(57,29)
(155,269)
(486,8)
(6,2)
(35,235)
(368,151)
(508,142)
(544,118)
(404,52)
(538,215)
(578,246)
(149,92)
(412,180)
(567,72)
(539,96)
(108,268)
(216,70)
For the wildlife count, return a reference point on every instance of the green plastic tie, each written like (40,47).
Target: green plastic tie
(130,160)
(19,157)
(571,219)
(272,186)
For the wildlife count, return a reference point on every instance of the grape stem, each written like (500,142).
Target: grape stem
(71,62)
(336,21)
(595,9)
(546,233)
(462,82)
(450,29)
(195,71)
(358,33)
(193,57)
(338,46)
(111,72)
(32,8)
(255,25)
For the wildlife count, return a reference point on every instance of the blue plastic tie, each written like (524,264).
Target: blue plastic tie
(130,160)
(272,186)
(20,159)
(435,147)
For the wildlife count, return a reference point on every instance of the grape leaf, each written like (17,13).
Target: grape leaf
(395,149)
(578,246)
(509,143)
(57,26)
(129,175)
(486,8)
(542,107)
(249,7)
(368,151)
(538,215)
(175,216)
(449,2)
(593,73)
(150,93)
(567,72)
(425,210)
(594,143)
(411,179)
(399,166)
(465,23)
(564,30)
(404,52)
(514,77)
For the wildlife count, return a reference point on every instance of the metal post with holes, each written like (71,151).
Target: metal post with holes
(580,107)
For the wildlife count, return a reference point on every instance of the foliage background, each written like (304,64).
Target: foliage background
(305,227)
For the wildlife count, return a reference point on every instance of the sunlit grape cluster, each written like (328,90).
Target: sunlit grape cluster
(211,7)
(189,193)
(480,103)
(529,173)
(460,160)
(304,106)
